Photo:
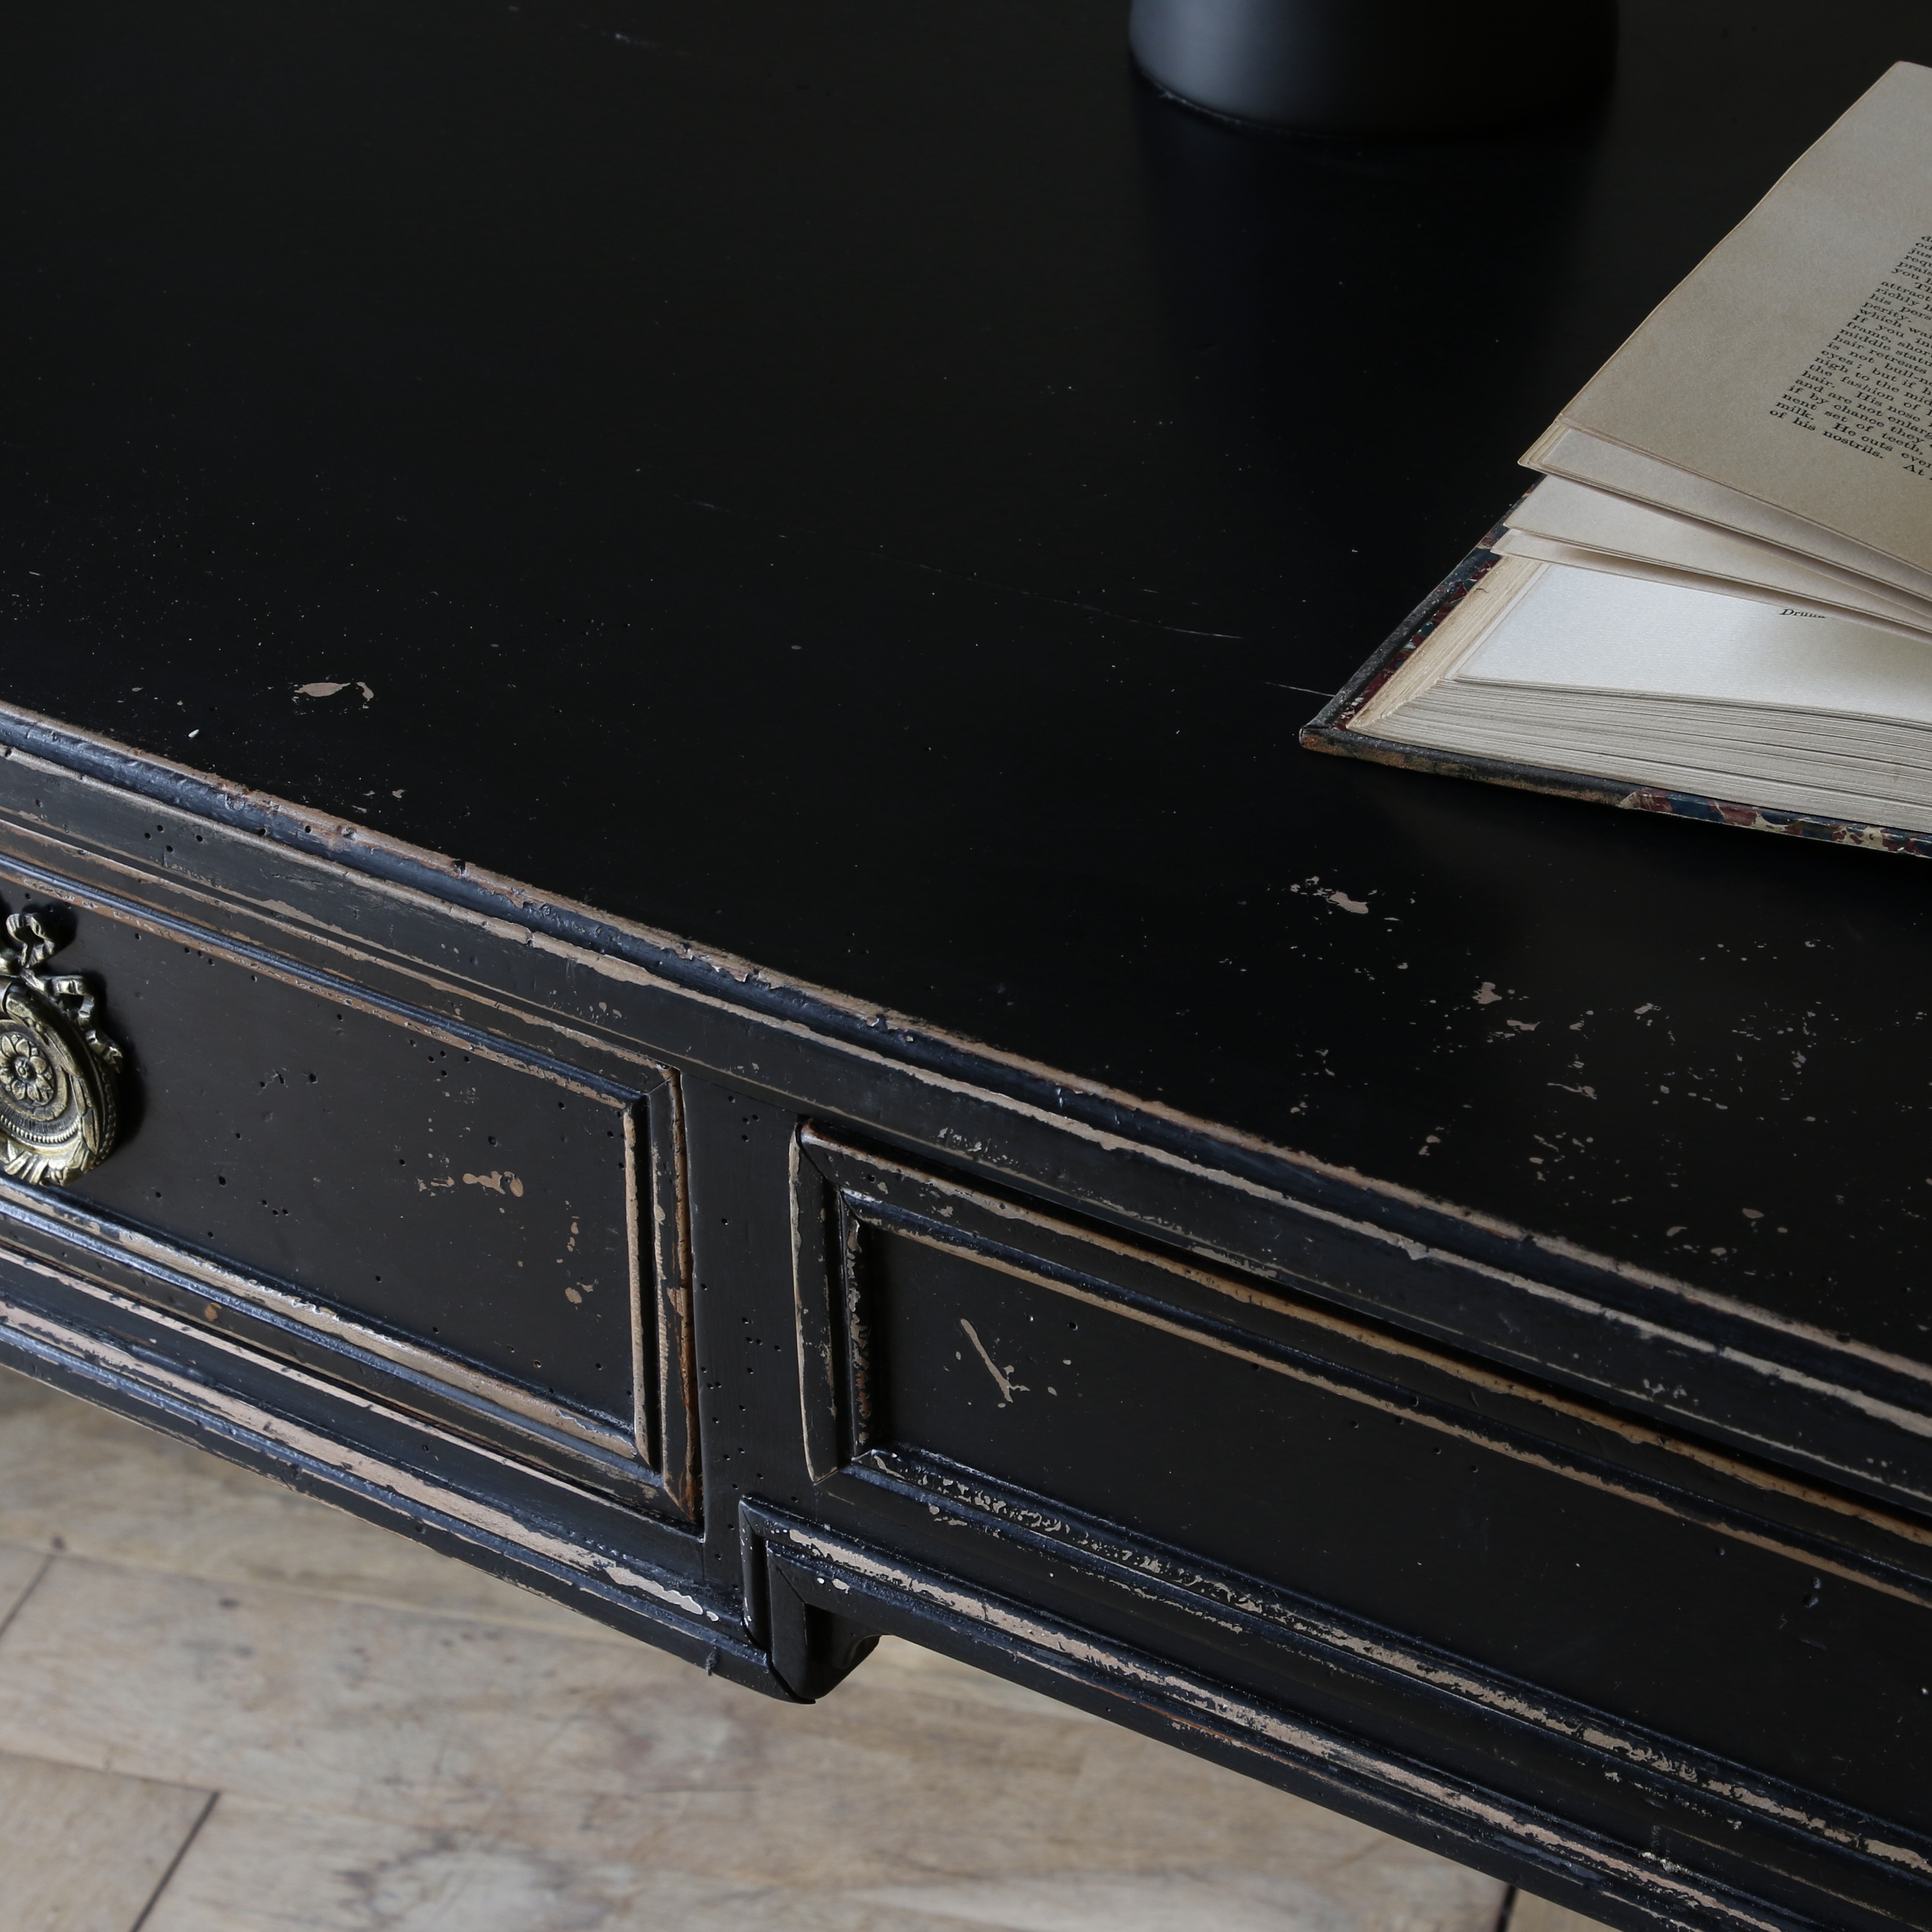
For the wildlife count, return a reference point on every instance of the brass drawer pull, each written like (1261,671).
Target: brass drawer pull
(57,1069)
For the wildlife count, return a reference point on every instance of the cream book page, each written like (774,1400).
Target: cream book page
(1572,557)
(1635,536)
(1575,454)
(1794,364)
(1578,630)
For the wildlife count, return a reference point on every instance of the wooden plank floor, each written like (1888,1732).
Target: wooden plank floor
(225,1708)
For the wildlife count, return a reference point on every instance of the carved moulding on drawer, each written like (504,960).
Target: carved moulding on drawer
(468,1227)
(1010,1364)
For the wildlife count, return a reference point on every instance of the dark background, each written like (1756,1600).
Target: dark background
(872,487)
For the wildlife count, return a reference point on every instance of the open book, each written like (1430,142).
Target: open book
(1719,597)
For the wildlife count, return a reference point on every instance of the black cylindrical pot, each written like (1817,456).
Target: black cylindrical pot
(1375,66)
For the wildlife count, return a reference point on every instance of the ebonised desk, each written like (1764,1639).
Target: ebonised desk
(652,656)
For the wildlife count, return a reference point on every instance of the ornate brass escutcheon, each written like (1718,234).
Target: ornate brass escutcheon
(57,1069)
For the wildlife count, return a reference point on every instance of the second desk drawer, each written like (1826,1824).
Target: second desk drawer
(1223,1437)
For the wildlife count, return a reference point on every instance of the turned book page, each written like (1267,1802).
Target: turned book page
(1794,364)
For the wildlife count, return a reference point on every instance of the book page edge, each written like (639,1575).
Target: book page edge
(1489,601)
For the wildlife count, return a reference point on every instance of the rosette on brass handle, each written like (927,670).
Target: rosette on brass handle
(57,1070)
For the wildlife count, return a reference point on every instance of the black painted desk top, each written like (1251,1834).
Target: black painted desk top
(874,490)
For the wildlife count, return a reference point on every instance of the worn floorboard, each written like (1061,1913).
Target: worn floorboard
(85,1851)
(20,1569)
(399,1745)
(1538,1915)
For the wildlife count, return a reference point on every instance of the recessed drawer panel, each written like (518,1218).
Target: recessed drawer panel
(453,1220)
(480,1205)
(951,1335)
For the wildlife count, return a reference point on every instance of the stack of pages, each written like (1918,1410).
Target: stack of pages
(1720,592)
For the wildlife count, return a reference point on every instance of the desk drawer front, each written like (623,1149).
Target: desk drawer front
(481,1232)
(964,1338)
